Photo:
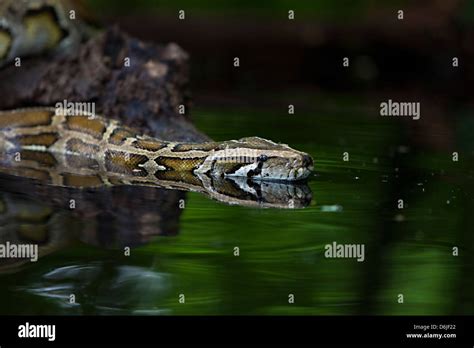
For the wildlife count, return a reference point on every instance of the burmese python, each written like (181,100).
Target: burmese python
(30,27)
(83,150)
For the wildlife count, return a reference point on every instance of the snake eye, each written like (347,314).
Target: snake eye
(262,158)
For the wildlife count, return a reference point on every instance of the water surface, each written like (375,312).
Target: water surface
(192,251)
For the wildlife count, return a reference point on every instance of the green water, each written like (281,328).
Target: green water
(408,251)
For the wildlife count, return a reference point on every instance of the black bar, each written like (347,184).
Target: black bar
(242,329)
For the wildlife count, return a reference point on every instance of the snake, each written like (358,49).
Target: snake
(30,27)
(78,149)
(73,152)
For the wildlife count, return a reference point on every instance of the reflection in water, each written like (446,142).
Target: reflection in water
(112,295)
(110,218)
(113,218)
(117,217)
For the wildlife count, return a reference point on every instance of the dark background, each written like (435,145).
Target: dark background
(387,54)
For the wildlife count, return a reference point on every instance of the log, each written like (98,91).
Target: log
(144,95)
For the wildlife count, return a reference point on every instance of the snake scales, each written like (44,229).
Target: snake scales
(82,150)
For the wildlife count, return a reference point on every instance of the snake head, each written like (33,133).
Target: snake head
(261,159)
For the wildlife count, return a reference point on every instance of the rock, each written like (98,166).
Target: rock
(144,95)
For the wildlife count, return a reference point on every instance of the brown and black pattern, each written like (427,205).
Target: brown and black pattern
(81,154)
(195,147)
(171,175)
(95,146)
(27,172)
(85,124)
(5,43)
(44,159)
(34,27)
(149,144)
(180,164)
(74,180)
(43,25)
(120,134)
(25,118)
(42,139)
(121,162)
(230,189)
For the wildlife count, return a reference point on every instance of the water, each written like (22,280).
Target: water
(241,260)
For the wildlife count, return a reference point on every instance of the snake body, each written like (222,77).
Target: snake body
(91,144)
(29,27)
